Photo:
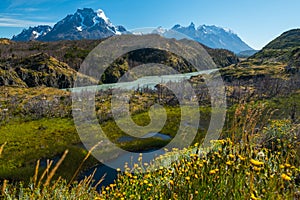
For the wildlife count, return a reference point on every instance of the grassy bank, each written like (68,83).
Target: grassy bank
(266,167)
(29,141)
(210,175)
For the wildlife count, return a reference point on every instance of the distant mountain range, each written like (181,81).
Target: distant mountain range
(211,36)
(84,24)
(89,24)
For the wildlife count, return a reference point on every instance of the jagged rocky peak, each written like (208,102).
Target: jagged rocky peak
(214,37)
(83,24)
(192,26)
(87,17)
(32,33)
(177,26)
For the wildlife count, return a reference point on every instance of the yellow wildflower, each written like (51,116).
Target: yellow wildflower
(213,171)
(171,182)
(229,163)
(285,177)
(147,176)
(287,165)
(256,162)
(281,166)
(253,197)
(242,158)
(257,169)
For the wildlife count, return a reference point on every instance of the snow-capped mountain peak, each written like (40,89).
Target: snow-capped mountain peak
(101,14)
(214,37)
(32,33)
(83,24)
(228,30)
(89,24)
(160,30)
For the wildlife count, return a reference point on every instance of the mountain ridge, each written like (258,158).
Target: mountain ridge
(83,24)
(89,24)
(214,37)
(283,49)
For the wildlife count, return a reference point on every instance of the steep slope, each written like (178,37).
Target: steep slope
(275,68)
(247,53)
(284,49)
(37,70)
(222,57)
(144,56)
(288,39)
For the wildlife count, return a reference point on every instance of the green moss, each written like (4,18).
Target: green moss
(29,141)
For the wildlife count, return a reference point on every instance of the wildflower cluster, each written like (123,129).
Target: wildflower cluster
(228,170)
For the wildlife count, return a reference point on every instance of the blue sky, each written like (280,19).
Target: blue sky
(256,21)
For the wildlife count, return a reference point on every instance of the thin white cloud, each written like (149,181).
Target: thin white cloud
(11,22)
(18,3)
(22,3)
(28,9)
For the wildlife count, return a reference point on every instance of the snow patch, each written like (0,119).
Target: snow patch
(36,34)
(95,20)
(102,15)
(137,33)
(82,26)
(228,30)
(160,30)
(112,29)
(118,33)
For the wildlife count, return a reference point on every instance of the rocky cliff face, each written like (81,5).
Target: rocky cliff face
(37,70)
